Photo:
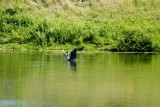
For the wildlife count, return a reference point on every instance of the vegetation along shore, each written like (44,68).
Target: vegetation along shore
(104,25)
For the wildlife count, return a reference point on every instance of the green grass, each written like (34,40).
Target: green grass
(120,25)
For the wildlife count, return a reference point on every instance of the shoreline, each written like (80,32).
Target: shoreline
(79,52)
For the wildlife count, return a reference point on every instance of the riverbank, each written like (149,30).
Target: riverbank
(59,50)
(121,26)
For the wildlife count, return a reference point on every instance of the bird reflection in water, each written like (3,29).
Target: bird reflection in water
(71,65)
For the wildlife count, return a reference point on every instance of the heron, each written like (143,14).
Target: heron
(73,55)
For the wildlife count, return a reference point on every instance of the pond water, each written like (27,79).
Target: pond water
(45,79)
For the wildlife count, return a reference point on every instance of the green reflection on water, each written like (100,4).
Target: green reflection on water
(32,79)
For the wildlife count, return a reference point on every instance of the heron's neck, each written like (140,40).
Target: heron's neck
(67,56)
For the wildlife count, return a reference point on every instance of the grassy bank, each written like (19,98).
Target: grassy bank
(110,25)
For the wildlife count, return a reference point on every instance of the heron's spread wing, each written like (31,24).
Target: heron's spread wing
(73,54)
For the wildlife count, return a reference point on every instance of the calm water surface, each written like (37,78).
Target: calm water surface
(32,79)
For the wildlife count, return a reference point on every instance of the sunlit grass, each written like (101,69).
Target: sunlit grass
(103,25)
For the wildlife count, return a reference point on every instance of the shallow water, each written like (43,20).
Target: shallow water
(32,79)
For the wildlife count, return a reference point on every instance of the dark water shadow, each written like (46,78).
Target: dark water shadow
(132,58)
(47,58)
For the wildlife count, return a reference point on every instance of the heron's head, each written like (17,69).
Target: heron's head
(75,50)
